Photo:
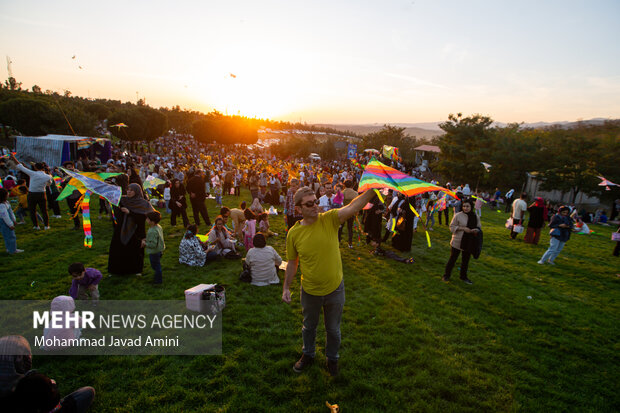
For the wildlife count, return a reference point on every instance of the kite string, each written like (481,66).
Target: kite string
(65,116)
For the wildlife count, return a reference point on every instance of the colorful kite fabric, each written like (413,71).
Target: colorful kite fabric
(85,206)
(391,152)
(152,182)
(377,175)
(111,193)
(440,204)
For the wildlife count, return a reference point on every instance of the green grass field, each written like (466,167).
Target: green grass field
(409,341)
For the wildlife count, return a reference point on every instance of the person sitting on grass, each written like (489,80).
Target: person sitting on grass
(154,244)
(221,241)
(193,252)
(263,261)
(85,282)
(263,225)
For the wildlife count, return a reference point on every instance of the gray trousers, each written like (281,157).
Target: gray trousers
(84,292)
(332,305)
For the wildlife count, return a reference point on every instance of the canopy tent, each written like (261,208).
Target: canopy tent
(56,149)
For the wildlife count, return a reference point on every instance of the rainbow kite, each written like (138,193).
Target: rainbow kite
(440,204)
(85,206)
(377,175)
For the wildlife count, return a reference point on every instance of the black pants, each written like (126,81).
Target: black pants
(454,254)
(34,199)
(72,203)
(349,228)
(200,208)
(179,212)
(513,234)
(51,200)
(446,214)
(617,249)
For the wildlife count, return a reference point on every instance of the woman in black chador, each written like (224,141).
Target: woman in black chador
(126,250)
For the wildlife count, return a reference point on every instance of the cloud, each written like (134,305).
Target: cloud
(415,80)
(46,24)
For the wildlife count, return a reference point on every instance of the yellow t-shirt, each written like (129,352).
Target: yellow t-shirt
(317,247)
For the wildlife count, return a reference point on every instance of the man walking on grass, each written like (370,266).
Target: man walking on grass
(313,242)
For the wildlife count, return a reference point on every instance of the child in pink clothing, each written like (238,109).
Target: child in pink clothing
(478,205)
(249,229)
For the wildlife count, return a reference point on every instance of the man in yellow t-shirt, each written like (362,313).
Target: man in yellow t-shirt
(313,244)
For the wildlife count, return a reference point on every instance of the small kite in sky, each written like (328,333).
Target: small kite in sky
(233,76)
(73,57)
(487,166)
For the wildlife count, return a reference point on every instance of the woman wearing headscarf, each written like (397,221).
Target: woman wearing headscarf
(561,226)
(404,226)
(220,240)
(465,228)
(538,212)
(126,250)
(178,203)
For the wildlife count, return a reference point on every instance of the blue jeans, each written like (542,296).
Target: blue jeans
(555,246)
(156,266)
(430,218)
(10,240)
(332,305)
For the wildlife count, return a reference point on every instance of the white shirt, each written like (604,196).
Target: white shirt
(518,208)
(325,202)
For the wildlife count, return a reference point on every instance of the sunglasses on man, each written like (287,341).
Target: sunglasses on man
(310,204)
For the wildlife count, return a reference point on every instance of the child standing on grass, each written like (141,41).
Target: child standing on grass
(249,229)
(218,194)
(85,282)
(7,223)
(154,244)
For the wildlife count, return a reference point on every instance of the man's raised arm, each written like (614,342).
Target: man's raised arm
(356,205)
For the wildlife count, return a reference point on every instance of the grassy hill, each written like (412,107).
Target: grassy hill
(524,337)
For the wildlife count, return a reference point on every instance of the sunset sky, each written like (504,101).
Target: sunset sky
(327,61)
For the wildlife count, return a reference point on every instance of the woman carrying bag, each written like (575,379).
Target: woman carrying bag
(466,229)
(561,226)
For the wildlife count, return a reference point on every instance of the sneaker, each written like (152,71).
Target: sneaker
(540,262)
(467,281)
(332,367)
(304,362)
(21,222)
(46,228)
(57,216)
(17,251)
(36,228)
(350,246)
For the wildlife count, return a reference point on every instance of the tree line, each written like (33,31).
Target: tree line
(36,112)
(564,159)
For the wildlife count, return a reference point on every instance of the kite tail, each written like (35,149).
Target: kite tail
(113,216)
(85,206)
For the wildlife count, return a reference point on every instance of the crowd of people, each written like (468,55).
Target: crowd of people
(316,200)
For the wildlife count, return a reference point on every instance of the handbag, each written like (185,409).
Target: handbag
(517,228)
(555,232)
(615,236)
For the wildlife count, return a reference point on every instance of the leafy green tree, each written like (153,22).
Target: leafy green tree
(29,116)
(467,142)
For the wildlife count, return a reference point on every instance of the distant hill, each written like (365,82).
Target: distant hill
(431,129)
(416,131)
